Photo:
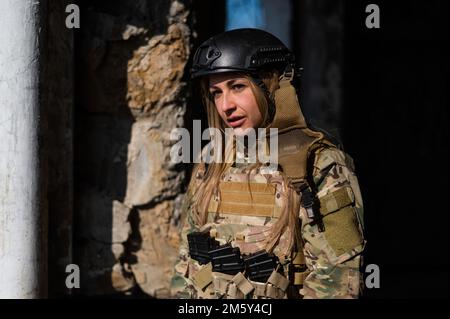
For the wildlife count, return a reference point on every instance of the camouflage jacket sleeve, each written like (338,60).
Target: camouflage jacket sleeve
(181,287)
(333,256)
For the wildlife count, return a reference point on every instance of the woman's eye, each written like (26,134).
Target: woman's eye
(214,94)
(238,87)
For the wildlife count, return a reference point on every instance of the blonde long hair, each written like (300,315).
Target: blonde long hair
(202,192)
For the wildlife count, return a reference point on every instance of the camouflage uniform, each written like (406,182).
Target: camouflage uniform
(333,257)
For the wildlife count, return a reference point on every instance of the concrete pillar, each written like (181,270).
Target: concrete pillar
(319,35)
(22,224)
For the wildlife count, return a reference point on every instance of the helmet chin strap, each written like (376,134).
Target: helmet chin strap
(270,99)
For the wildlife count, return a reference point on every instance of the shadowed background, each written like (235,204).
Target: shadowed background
(118,85)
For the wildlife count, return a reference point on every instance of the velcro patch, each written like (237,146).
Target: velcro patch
(342,230)
(336,200)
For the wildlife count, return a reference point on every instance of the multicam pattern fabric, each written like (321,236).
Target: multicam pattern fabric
(333,257)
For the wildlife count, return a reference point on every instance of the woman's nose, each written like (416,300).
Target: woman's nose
(228,103)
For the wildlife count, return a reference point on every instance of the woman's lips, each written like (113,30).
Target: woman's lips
(236,121)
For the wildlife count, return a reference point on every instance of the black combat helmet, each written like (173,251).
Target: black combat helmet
(247,50)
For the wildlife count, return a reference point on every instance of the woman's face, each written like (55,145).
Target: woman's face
(235,101)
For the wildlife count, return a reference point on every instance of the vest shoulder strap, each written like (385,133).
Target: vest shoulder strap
(297,150)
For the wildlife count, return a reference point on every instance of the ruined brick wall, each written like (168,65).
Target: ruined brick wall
(131,92)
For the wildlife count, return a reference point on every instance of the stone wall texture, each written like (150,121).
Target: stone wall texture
(131,92)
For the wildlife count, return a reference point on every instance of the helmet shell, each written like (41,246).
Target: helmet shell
(247,50)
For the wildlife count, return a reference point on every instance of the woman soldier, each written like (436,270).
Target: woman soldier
(253,230)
